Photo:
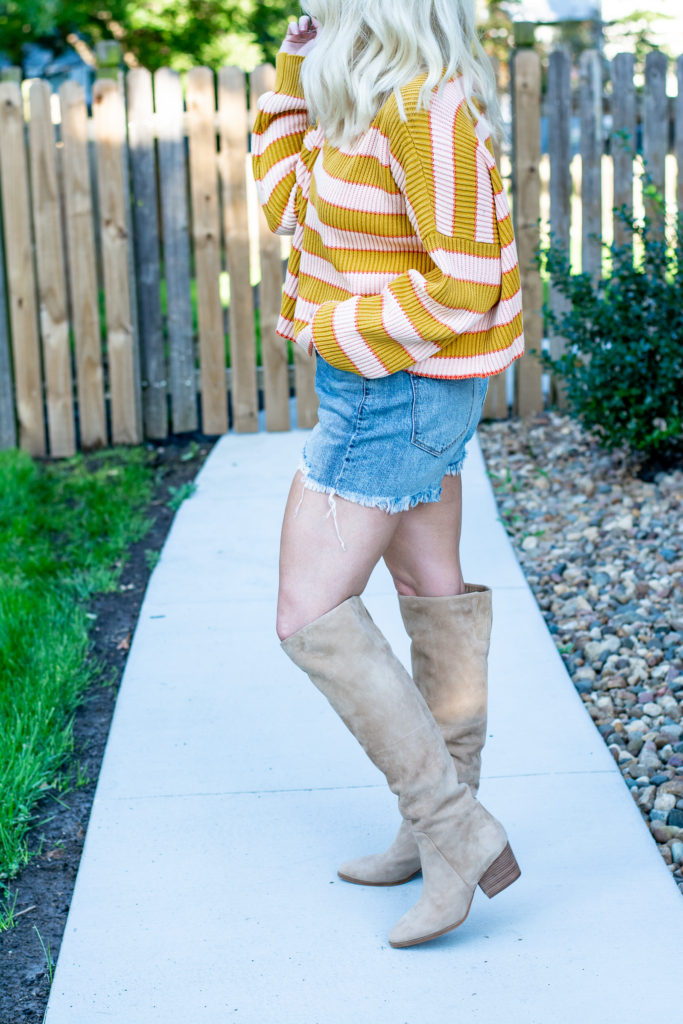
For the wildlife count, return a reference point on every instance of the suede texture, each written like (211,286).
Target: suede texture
(450,639)
(350,661)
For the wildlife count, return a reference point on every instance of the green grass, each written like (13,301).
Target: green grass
(64,531)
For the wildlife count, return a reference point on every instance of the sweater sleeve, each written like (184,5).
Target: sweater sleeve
(276,146)
(449,197)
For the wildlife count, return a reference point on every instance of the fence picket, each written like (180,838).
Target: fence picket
(623,142)
(146,251)
(20,274)
(496,403)
(271,288)
(559,101)
(8,427)
(655,126)
(273,347)
(110,133)
(207,254)
(51,278)
(82,267)
(527,158)
(590,102)
(168,101)
(232,109)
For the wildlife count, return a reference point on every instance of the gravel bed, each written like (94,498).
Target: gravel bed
(601,550)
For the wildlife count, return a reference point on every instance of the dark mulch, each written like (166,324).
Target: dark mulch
(45,886)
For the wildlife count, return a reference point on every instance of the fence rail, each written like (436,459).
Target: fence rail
(140,286)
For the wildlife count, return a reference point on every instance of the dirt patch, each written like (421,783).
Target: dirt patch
(44,888)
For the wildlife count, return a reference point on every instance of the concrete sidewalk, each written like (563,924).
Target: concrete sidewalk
(230,792)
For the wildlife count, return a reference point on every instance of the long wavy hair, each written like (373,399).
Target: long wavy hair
(369,49)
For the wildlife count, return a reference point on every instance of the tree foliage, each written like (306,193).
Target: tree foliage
(176,33)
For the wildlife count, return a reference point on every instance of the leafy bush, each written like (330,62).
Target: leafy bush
(622,368)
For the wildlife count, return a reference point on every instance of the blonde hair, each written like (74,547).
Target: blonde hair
(369,49)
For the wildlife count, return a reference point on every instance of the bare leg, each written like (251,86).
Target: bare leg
(423,555)
(316,573)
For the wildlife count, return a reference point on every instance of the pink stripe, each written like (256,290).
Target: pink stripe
(291,289)
(352,343)
(285,328)
(360,198)
(323,270)
(373,143)
(306,310)
(508,257)
(288,220)
(467,267)
(442,115)
(368,283)
(483,130)
(470,366)
(399,327)
(502,206)
(278,173)
(280,103)
(281,128)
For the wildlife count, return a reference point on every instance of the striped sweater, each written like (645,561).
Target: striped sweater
(403,255)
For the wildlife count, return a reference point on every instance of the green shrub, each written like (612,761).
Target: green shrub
(622,369)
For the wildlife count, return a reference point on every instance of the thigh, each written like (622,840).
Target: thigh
(329,547)
(423,555)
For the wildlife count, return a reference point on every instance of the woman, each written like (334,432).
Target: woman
(374,152)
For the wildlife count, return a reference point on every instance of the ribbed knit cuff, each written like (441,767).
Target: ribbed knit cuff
(287,72)
(323,332)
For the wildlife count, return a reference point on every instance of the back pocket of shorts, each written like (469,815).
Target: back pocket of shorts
(445,412)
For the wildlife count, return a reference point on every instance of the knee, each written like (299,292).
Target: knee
(405,587)
(292,615)
(440,581)
(285,625)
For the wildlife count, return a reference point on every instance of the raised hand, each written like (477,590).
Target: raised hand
(302,35)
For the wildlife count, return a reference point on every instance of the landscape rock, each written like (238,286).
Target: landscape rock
(607,572)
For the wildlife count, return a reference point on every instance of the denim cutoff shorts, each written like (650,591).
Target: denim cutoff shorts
(388,442)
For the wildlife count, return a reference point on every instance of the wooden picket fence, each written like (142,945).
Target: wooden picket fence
(112,217)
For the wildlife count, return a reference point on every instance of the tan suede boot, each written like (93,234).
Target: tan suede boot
(461,845)
(449,650)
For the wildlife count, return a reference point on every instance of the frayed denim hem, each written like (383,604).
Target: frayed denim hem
(456,468)
(389,505)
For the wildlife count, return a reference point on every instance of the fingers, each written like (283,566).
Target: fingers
(303,28)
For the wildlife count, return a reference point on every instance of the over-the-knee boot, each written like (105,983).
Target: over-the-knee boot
(449,649)
(461,845)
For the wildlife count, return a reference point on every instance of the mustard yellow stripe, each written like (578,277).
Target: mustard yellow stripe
(481,342)
(313,290)
(496,180)
(280,197)
(383,224)
(279,149)
(510,284)
(462,246)
(359,170)
(505,231)
(288,307)
(367,260)
(287,74)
